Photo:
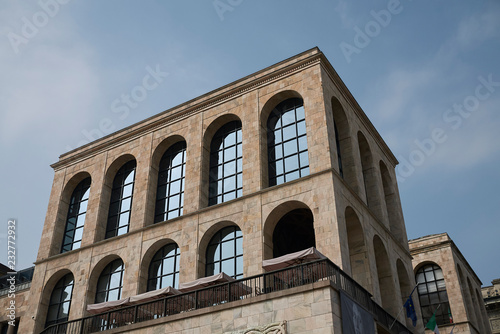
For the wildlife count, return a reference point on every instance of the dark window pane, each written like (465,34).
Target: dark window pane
(76,216)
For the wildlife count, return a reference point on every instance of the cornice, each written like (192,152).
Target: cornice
(199,104)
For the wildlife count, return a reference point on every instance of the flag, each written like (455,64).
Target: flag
(432,324)
(450,316)
(410,311)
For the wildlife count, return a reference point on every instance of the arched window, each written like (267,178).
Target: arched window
(164,268)
(294,232)
(121,200)
(60,301)
(109,285)
(287,142)
(225,253)
(432,294)
(76,216)
(339,153)
(226,168)
(170,191)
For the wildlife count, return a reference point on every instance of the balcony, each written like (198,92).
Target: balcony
(22,281)
(226,293)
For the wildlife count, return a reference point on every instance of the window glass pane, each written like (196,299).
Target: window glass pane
(291,163)
(288,118)
(80,220)
(168,266)
(302,143)
(129,178)
(227,250)
(126,203)
(290,147)
(429,276)
(239,265)
(176,173)
(230,153)
(113,295)
(300,113)
(277,136)
(230,168)
(124,219)
(83,207)
(230,184)
(127,190)
(292,176)
(289,132)
(78,234)
(304,159)
(301,128)
(175,187)
(228,267)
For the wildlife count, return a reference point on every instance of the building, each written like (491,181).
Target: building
(279,161)
(448,284)
(491,297)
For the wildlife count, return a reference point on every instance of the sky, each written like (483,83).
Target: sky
(425,72)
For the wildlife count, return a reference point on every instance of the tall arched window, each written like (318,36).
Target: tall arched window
(225,253)
(287,142)
(339,153)
(226,167)
(170,190)
(76,216)
(121,200)
(60,301)
(164,268)
(109,285)
(432,294)
(294,232)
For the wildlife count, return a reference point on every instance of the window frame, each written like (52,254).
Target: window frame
(166,167)
(64,282)
(214,265)
(106,277)
(162,257)
(79,197)
(220,166)
(288,154)
(117,200)
(427,307)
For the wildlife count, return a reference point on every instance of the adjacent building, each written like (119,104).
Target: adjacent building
(491,296)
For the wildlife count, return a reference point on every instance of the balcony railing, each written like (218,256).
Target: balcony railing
(232,291)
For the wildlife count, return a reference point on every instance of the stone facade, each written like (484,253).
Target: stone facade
(357,215)
(491,296)
(462,285)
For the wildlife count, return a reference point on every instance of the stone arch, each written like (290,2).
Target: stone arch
(205,240)
(62,211)
(272,221)
(385,278)
(404,286)
(343,144)
(466,294)
(45,297)
(475,305)
(146,261)
(156,157)
(95,273)
(369,176)
(391,203)
(265,112)
(208,135)
(358,252)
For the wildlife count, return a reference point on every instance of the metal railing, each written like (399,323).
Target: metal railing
(249,287)
(22,281)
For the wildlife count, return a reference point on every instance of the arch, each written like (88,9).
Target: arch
(60,300)
(358,253)
(269,106)
(158,152)
(63,210)
(226,164)
(294,232)
(469,309)
(120,204)
(96,273)
(391,203)
(404,286)
(170,183)
(110,282)
(369,178)
(46,295)
(432,293)
(205,240)
(272,220)
(475,305)
(224,253)
(343,144)
(288,158)
(208,136)
(73,231)
(146,261)
(384,273)
(164,268)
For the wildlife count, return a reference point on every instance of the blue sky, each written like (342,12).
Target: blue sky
(425,72)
